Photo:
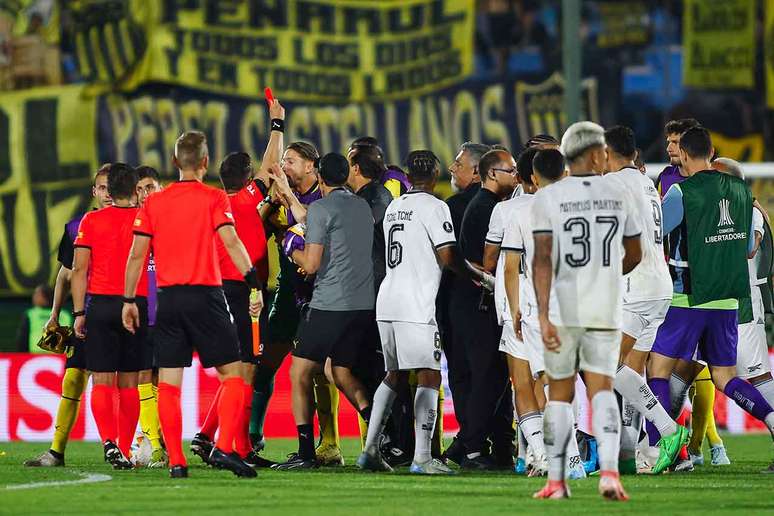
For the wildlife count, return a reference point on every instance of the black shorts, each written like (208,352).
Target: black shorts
(194,317)
(109,347)
(238,299)
(78,359)
(340,336)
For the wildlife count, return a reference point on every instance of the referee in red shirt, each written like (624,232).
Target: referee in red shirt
(101,247)
(181,222)
(245,194)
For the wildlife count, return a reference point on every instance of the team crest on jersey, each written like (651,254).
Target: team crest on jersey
(447,227)
(137,222)
(229,215)
(725,215)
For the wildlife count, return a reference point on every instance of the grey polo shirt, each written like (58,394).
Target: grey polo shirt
(342,223)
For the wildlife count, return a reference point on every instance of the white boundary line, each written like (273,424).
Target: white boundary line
(87,478)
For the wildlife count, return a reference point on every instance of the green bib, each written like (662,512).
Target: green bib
(718,215)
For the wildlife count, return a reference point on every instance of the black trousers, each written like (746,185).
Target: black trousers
(489,402)
(449,322)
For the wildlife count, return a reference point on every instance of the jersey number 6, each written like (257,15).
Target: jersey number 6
(394,248)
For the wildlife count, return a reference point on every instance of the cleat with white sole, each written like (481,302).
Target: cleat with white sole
(431,467)
(45,460)
(372,462)
(719,456)
(539,467)
(697,458)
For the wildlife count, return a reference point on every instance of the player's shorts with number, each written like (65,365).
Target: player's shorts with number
(410,345)
(530,349)
(641,320)
(593,351)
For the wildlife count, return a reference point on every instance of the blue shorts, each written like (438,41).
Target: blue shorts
(713,332)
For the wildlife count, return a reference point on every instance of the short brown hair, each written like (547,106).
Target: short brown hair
(306,150)
(490,159)
(679,126)
(190,149)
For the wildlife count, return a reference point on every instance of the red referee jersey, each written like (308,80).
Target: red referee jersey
(182,221)
(249,227)
(108,233)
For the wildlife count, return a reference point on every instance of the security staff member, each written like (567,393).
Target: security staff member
(466,180)
(336,248)
(475,327)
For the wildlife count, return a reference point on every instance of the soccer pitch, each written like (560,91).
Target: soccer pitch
(708,490)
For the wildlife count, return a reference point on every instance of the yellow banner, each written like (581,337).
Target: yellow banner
(719,43)
(307,50)
(47,157)
(768,41)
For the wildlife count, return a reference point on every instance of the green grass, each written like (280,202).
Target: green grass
(740,488)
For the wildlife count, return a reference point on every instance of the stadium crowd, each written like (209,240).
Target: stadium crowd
(562,261)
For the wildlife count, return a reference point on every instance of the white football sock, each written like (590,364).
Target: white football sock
(531,424)
(633,388)
(573,453)
(631,421)
(678,390)
(382,405)
(425,404)
(522,452)
(606,421)
(557,431)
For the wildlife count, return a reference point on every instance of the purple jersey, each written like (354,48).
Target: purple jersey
(396,182)
(668,177)
(66,251)
(151,291)
(306,199)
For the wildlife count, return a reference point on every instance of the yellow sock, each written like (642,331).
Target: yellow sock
(327,397)
(712,431)
(149,415)
(436,445)
(702,418)
(73,384)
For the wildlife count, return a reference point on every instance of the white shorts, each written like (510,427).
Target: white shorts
(594,351)
(408,345)
(641,320)
(531,349)
(752,353)
(510,343)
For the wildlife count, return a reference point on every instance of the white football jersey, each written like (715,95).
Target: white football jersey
(588,217)
(752,263)
(501,216)
(415,225)
(650,280)
(518,239)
